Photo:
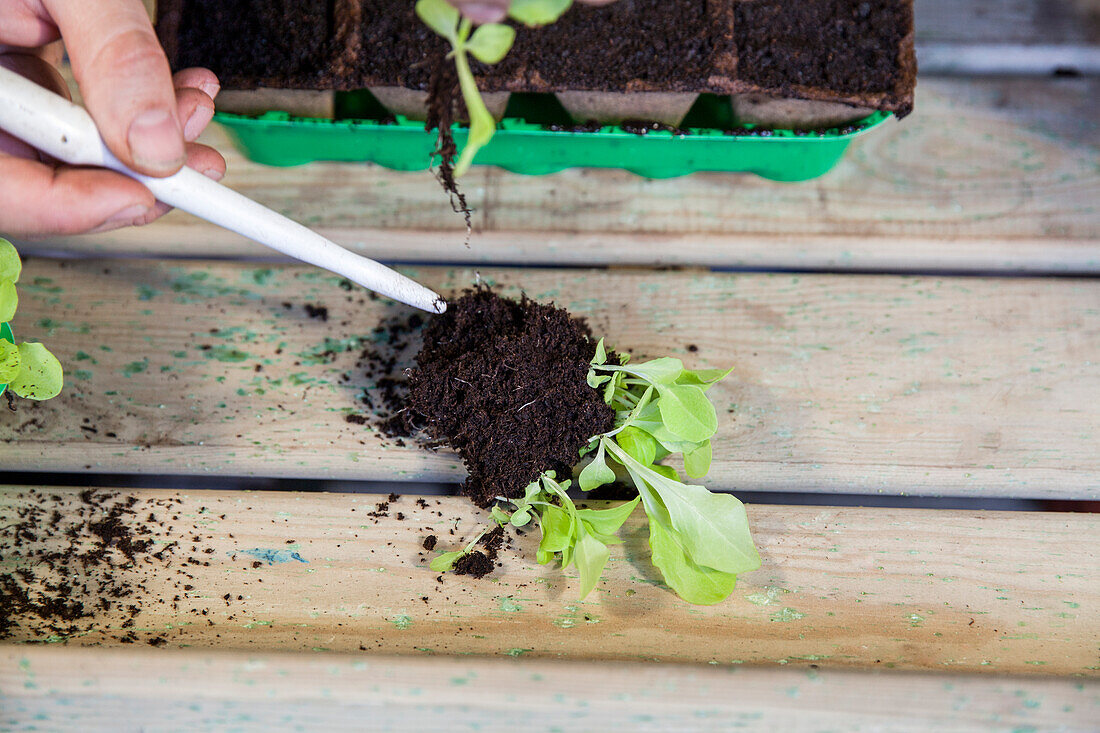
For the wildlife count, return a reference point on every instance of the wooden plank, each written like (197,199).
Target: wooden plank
(987,175)
(66,688)
(1004,592)
(1007,36)
(956,386)
(1026,22)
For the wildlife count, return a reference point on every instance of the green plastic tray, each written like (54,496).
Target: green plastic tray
(7,335)
(525,144)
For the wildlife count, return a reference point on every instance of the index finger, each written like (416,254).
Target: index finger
(125,80)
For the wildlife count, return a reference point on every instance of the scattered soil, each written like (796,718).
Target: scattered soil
(393,348)
(70,561)
(503,383)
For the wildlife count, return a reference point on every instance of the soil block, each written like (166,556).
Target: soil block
(503,383)
(858,52)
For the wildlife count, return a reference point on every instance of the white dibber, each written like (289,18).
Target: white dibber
(67,132)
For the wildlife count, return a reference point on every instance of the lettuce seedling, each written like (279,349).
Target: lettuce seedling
(700,541)
(488,43)
(28,369)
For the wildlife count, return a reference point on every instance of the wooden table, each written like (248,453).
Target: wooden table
(922,322)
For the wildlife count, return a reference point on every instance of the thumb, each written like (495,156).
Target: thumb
(125,81)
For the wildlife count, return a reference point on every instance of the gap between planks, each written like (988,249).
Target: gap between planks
(988,175)
(851,384)
(906,589)
(198,690)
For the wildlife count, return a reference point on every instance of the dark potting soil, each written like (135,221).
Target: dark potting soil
(847,45)
(837,50)
(503,383)
(251,42)
(477,563)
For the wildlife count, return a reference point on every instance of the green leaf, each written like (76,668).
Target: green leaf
(9,300)
(596,473)
(446,561)
(687,412)
(640,445)
(705,378)
(521,517)
(10,266)
(608,521)
(601,353)
(482,125)
(664,370)
(609,390)
(692,582)
(531,491)
(41,376)
(538,12)
(591,556)
(490,42)
(595,380)
(440,16)
(9,361)
(697,462)
(667,471)
(500,515)
(712,528)
(557,529)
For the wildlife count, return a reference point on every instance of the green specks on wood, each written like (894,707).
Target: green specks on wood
(402,621)
(786,615)
(136,367)
(226,354)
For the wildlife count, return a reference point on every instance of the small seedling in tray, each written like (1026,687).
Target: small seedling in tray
(488,43)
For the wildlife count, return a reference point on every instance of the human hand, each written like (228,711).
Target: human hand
(148,117)
(494,11)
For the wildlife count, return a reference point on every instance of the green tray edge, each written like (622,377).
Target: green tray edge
(279,139)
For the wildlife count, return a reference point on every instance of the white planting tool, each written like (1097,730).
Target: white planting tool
(67,132)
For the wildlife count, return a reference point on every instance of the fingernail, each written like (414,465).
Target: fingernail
(156,141)
(214,174)
(211,88)
(197,122)
(123,218)
(483,12)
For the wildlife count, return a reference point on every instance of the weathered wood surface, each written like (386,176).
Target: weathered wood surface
(1007,36)
(875,384)
(105,689)
(986,175)
(839,587)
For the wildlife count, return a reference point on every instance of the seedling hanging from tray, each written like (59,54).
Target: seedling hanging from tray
(488,43)
(28,369)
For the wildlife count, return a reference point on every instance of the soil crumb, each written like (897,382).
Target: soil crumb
(478,564)
(503,383)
